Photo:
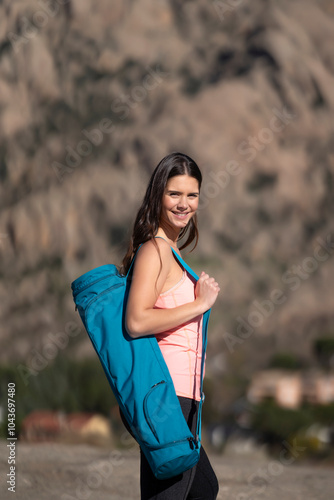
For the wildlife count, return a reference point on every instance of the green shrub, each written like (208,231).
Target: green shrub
(277,423)
(324,350)
(285,360)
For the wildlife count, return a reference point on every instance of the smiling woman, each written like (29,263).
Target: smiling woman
(166,301)
(177,198)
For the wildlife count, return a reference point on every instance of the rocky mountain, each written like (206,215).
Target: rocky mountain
(94,94)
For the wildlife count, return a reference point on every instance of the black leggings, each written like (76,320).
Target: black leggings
(198,483)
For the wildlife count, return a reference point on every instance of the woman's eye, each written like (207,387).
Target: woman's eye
(190,196)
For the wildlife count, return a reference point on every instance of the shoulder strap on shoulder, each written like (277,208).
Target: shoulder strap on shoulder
(185,265)
(182,262)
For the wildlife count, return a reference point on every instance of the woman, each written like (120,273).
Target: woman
(165,301)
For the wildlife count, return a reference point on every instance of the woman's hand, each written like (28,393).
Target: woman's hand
(206,291)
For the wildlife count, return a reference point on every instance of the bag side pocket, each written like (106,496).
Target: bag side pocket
(163,414)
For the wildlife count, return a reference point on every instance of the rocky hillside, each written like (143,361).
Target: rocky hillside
(94,94)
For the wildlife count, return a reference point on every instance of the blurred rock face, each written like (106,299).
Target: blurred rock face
(94,94)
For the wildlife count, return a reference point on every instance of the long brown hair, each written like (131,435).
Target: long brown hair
(146,223)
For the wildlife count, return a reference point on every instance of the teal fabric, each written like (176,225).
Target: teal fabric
(137,372)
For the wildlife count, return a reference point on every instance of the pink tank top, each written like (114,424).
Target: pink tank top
(181,347)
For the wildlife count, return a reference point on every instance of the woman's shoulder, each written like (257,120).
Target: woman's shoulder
(149,248)
(148,252)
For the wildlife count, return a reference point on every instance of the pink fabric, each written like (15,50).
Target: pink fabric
(181,347)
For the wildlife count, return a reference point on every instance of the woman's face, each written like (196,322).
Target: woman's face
(180,201)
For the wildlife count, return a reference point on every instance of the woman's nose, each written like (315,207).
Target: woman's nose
(183,203)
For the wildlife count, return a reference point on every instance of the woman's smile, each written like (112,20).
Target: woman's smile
(180,215)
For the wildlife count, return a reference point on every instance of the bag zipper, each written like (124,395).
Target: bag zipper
(149,421)
(84,285)
(192,441)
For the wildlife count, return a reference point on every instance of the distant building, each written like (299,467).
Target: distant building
(46,425)
(319,387)
(290,388)
(288,391)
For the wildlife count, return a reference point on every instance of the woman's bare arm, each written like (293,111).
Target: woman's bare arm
(141,319)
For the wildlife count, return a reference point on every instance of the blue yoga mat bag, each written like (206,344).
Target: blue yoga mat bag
(137,372)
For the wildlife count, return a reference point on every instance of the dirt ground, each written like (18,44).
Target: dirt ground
(57,471)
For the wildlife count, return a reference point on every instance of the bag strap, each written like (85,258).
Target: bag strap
(204,340)
(133,259)
(205,320)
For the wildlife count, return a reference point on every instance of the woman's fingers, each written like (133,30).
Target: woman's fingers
(205,276)
(207,281)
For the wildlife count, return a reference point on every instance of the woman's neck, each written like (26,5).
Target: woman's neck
(163,235)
